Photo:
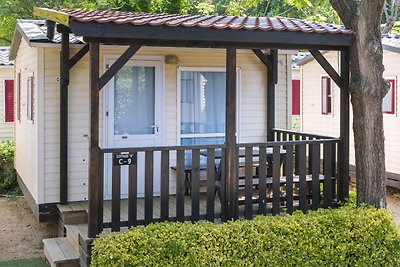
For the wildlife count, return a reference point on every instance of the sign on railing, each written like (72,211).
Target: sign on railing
(124,158)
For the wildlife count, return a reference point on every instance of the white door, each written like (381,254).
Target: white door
(133,118)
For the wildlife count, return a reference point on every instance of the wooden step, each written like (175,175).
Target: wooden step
(72,234)
(60,253)
(72,213)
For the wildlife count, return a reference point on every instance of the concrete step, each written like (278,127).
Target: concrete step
(60,253)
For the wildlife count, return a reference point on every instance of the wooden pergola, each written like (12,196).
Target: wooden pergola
(98,28)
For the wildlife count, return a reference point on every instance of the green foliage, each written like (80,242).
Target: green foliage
(342,237)
(8,176)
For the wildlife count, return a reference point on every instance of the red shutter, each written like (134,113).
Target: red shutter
(295,97)
(9,100)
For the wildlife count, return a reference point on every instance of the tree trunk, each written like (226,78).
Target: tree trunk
(367,89)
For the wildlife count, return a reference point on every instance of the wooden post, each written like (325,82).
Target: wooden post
(95,185)
(230,135)
(272,77)
(343,156)
(64,83)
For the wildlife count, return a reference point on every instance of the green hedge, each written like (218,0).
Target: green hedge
(342,237)
(8,176)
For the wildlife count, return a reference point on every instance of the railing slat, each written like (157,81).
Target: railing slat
(315,175)
(262,173)
(164,185)
(195,190)
(132,195)
(116,198)
(297,155)
(180,185)
(301,153)
(248,183)
(101,192)
(289,179)
(276,185)
(222,191)
(211,184)
(148,187)
(328,175)
(334,173)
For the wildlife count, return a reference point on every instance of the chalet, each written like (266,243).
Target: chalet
(321,102)
(128,119)
(6,95)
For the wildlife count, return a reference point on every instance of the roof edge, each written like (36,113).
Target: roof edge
(51,14)
(15,43)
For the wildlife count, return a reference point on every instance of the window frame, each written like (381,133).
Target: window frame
(328,96)
(18,87)
(30,97)
(393,100)
(180,136)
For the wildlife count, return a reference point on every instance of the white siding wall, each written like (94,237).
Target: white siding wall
(252,108)
(26,149)
(6,128)
(391,122)
(314,122)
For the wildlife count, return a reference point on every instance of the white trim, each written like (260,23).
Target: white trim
(178,104)
(40,126)
(4,101)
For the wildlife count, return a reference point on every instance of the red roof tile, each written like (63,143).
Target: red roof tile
(217,22)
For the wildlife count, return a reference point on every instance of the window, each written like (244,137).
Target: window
(326,95)
(8,100)
(30,98)
(19,96)
(388,100)
(202,107)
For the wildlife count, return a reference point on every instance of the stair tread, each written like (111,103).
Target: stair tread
(60,250)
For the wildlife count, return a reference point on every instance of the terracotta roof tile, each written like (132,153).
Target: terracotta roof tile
(217,22)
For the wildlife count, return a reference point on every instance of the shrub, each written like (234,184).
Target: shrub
(8,176)
(345,236)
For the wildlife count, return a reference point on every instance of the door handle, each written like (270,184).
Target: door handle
(155,127)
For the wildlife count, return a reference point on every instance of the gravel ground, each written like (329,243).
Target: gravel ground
(20,233)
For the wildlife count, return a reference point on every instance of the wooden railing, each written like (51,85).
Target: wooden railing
(297,171)
(181,161)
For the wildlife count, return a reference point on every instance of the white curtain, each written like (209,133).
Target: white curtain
(202,102)
(134,100)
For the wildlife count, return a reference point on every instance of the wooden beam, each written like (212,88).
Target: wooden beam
(118,64)
(272,77)
(95,217)
(230,135)
(78,56)
(263,58)
(64,84)
(197,34)
(343,153)
(326,66)
(50,14)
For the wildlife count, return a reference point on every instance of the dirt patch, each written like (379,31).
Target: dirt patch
(393,203)
(20,233)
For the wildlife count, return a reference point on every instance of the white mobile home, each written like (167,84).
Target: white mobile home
(320,104)
(139,118)
(178,104)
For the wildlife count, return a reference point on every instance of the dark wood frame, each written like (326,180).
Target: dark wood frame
(134,37)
